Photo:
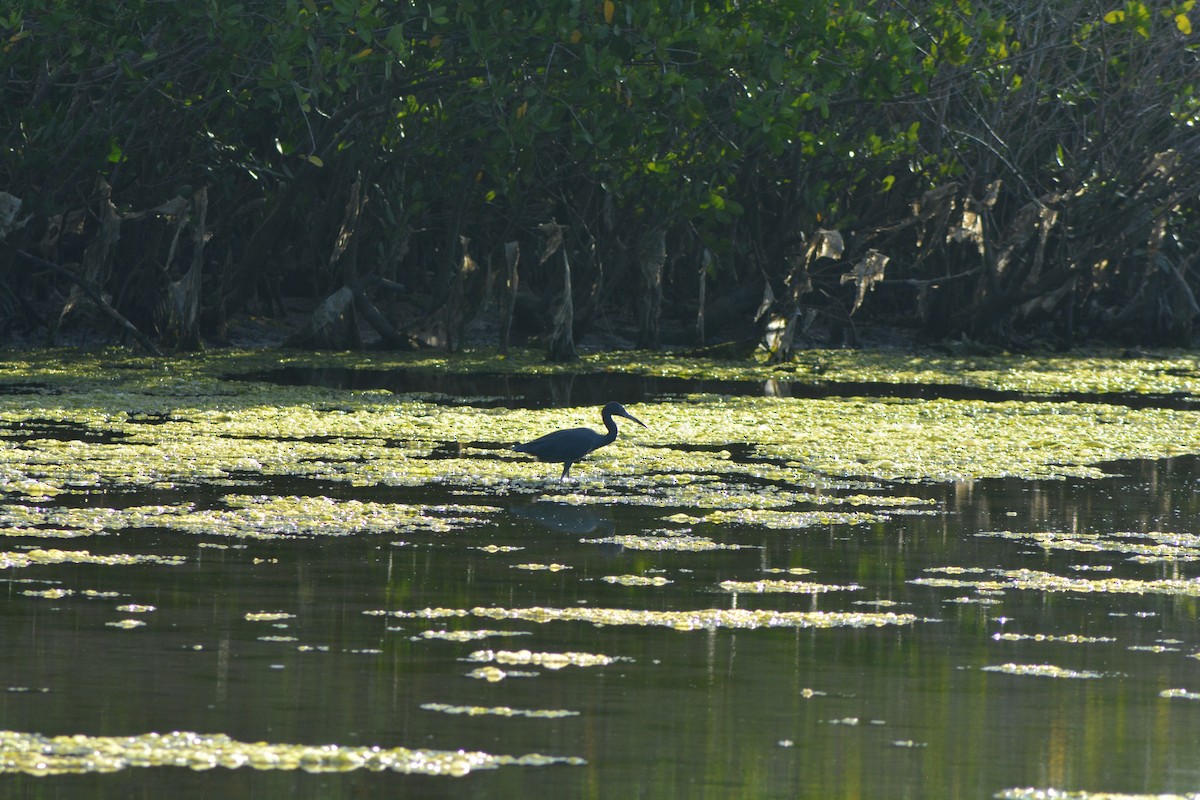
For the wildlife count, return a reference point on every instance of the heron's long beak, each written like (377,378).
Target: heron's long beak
(627,415)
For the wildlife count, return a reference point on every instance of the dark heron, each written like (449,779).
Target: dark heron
(574,443)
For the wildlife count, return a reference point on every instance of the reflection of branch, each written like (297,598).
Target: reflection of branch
(96,297)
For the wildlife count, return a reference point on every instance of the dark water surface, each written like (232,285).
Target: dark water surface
(597,388)
(894,712)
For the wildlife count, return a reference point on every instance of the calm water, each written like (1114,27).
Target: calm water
(899,712)
(597,388)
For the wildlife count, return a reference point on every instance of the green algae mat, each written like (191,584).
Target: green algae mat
(819,579)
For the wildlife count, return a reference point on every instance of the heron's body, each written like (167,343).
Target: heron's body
(567,447)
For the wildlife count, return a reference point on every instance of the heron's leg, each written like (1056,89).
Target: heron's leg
(566,471)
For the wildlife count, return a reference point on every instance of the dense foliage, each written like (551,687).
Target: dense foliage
(770,170)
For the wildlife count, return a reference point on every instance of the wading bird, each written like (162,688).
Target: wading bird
(574,443)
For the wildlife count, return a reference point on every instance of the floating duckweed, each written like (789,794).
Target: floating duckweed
(425,613)
(255,517)
(1163,548)
(1153,648)
(542,567)
(769,447)
(636,580)
(34,754)
(790,587)
(30,557)
(788,571)
(278,639)
(1041,671)
(134,608)
(1070,638)
(879,500)
(547,660)
(955,570)
(466,636)
(49,594)
(97,594)
(127,624)
(272,517)
(701,619)
(53,521)
(497,548)
(681,542)
(690,485)
(1181,694)
(955,583)
(499,711)
(268,616)
(489,674)
(789,520)
(46,533)
(1100,371)
(357,438)
(1048,582)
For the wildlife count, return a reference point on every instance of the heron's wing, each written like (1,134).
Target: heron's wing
(576,440)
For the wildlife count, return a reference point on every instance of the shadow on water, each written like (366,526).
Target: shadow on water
(566,519)
(565,391)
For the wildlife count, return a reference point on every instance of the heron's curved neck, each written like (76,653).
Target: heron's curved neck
(611,425)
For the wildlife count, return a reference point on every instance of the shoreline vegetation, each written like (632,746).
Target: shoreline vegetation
(752,176)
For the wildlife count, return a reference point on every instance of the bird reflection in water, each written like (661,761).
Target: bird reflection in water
(563,518)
